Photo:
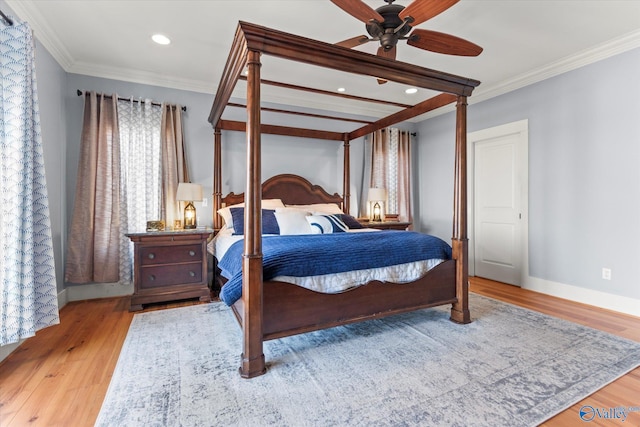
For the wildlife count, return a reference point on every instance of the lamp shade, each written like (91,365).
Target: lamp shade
(377,194)
(189,192)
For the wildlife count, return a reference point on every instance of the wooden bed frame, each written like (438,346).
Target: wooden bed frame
(274,309)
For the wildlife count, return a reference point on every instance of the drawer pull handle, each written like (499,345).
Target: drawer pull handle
(192,253)
(192,274)
(152,277)
(152,256)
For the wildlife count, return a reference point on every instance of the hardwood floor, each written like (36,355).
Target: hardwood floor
(60,376)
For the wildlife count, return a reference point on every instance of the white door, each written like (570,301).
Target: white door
(498,233)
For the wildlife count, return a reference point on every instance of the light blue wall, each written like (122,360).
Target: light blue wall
(51,80)
(584,174)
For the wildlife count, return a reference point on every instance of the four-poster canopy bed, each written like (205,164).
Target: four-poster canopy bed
(274,309)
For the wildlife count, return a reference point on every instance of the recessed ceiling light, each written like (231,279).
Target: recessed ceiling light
(411,90)
(160,39)
(341,89)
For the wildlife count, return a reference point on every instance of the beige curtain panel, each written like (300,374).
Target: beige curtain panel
(93,246)
(404,177)
(174,163)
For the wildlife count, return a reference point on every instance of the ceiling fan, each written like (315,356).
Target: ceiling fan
(392,22)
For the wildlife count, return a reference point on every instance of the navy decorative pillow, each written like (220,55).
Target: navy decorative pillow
(350,221)
(269,222)
(326,224)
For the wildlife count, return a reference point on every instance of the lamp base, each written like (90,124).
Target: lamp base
(190,217)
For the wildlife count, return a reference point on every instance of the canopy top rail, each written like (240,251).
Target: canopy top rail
(252,37)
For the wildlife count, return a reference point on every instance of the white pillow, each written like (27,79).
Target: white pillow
(225,212)
(292,221)
(325,208)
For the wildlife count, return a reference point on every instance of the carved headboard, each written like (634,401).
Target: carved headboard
(292,190)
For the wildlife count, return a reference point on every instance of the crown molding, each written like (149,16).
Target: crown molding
(27,11)
(142,77)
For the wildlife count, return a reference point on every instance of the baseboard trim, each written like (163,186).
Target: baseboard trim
(592,297)
(7,349)
(97,290)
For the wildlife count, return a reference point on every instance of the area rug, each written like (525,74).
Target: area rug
(509,367)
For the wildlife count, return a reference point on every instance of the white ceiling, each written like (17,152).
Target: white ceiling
(524,41)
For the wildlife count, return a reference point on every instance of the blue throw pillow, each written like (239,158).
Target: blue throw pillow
(350,221)
(326,224)
(269,222)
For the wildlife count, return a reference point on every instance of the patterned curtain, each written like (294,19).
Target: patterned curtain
(141,173)
(28,294)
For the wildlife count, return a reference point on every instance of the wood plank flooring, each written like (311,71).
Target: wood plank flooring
(60,376)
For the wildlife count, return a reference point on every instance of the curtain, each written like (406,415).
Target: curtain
(391,169)
(93,248)
(174,163)
(28,293)
(379,152)
(127,145)
(374,170)
(403,200)
(141,173)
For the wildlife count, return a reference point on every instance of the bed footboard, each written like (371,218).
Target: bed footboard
(290,309)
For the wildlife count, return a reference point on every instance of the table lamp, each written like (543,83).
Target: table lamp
(377,196)
(188,192)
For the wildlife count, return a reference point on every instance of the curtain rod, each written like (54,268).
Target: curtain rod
(80,93)
(8,20)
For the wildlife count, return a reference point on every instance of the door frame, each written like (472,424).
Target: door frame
(522,129)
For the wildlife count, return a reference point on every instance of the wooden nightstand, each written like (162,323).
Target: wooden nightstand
(386,225)
(169,266)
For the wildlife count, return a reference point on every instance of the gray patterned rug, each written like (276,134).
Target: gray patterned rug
(510,367)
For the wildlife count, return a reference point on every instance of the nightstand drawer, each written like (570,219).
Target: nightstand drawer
(170,254)
(162,275)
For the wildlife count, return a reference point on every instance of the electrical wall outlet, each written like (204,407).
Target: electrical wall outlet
(205,202)
(606,273)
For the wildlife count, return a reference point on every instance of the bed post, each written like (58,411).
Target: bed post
(253,363)
(460,243)
(217,178)
(346,173)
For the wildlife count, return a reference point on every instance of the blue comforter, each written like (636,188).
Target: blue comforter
(316,254)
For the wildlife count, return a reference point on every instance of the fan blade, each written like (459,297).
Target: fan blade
(422,10)
(443,43)
(353,42)
(391,54)
(358,10)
